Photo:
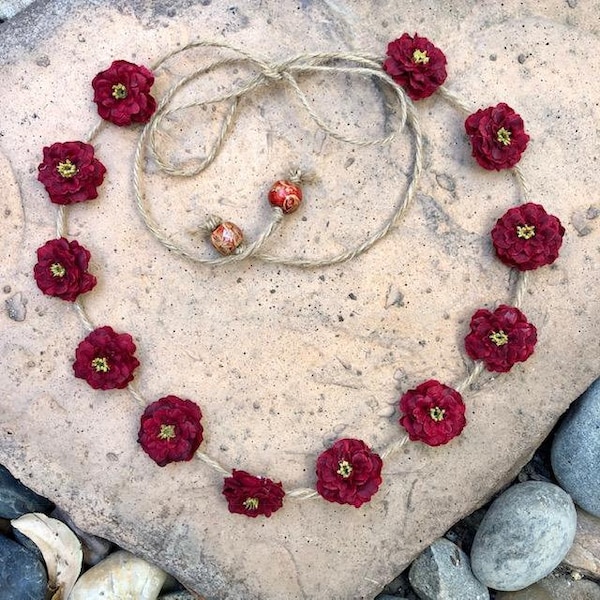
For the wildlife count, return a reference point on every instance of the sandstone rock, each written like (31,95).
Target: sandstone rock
(584,555)
(576,448)
(284,361)
(524,535)
(443,572)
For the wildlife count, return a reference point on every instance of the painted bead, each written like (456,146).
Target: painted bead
(286,195)
(226,237)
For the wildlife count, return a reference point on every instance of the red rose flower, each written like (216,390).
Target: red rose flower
(416,65)
(252,496)
(105,359)
(433,413)
(61,269)
(122,93)
(500,339)
(497,137)
(170,430)
(527,237)
(348,473)
(70,173)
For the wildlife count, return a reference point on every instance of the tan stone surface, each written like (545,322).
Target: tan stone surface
(584,555)
(285,361)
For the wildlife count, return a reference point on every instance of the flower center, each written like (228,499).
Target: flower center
(420,57)
(119,91)
(67,169)
(345,468)
(101,365)
(57,270)
(503,136)
(525,231)
(251,503)
(499,338)
(167,432)
(437,413)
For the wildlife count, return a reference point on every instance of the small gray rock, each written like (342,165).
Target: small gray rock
(576,450)
(16,499)
(22,575)
(443,572)
(524,535)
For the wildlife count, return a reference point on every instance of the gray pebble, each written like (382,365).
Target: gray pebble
(16,499)
(443,572)
(16,307)
(576,450)
(525,534)
(22,575)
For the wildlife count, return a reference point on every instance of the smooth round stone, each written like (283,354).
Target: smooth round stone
(22,575)
(443,572)
(17,499)
(525,534)
(576,450)
(120,576)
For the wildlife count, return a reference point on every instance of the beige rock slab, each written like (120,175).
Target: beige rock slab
(584,555)
(284,361)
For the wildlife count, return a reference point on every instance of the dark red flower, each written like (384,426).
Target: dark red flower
(500,339)
(416,65)
(105,359)
(122,93)
(61,269)
(527,237)
(497,137)
(348,473)
(70,173)
(252,496)
(170,430)
(432,413)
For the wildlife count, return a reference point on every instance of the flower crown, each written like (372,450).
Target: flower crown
(349,472)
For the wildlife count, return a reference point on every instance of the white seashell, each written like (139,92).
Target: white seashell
(59,547)
(120,576)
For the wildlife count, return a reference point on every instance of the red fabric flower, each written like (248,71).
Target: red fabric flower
(433,413)
(61,269)
(170,430)
(416,65)
(497,137)
(348,473)
(500,339)
(252,496)
(70,173)
(527,237)
(105,359)
(122,93)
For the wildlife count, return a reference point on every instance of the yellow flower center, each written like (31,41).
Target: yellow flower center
(119,91)
(57,270)
(525,231)
(499,338)
(167,432)
(437,413)
(251,503)
(503,136)
(345,468)
(67,169)
(420,57)
(101,365)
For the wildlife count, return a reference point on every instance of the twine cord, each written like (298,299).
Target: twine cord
(364,65)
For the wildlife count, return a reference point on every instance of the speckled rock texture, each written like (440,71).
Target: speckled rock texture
(284,361)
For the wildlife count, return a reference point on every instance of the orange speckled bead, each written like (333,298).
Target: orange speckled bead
(226,237)
(286,195)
